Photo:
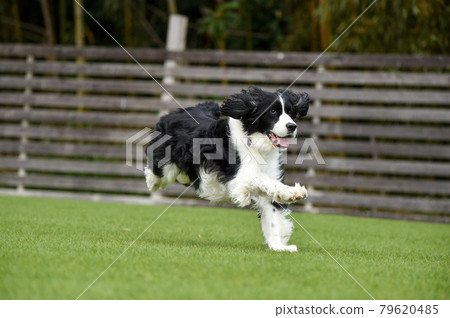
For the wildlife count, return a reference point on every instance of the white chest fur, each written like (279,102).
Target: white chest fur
(256,153)
(258,158)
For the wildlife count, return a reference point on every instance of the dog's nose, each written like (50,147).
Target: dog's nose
(291,127)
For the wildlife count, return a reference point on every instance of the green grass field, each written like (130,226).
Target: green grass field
(54,249)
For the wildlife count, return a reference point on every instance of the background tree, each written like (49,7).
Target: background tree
(217,22)
(401,26)
(48,21)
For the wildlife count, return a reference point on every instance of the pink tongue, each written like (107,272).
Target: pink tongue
(284,142)
(279,141)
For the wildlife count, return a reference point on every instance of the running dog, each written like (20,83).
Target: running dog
(233,153)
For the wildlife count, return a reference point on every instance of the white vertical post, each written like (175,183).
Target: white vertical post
(175,42)
(316,121)
(24,125)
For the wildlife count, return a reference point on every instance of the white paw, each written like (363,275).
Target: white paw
(291,248)
(300,192)
(153,182)
(183,178)
(283,248)
(291,194)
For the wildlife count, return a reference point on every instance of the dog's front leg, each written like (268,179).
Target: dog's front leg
(273,226)
(279,192)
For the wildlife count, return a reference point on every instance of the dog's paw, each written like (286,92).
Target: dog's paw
(283,248)
(291,248)
(291,194)
(300,192)
(153,181)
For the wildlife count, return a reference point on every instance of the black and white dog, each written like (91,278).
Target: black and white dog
(236,158)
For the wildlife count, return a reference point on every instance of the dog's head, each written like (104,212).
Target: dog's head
(271,114)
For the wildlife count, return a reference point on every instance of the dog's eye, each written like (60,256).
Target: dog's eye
(273,111)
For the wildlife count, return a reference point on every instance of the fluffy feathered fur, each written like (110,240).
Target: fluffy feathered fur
(236,158)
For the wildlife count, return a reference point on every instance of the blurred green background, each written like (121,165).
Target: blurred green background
(401,26)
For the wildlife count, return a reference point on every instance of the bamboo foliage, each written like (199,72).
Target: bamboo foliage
(401,26)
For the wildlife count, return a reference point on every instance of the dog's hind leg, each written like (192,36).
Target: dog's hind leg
(170,174)
(152,180)
(274,226)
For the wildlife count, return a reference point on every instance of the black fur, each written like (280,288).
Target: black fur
(300,103)
(257,109)
(256,119)
(253,107)
(279,206)
(183,129)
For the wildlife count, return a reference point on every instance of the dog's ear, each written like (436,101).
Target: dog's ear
(300,102)
(234,107)
(241,104)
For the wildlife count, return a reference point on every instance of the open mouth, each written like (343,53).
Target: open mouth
(277,141)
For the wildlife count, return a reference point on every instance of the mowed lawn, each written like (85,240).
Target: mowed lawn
(54,249)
